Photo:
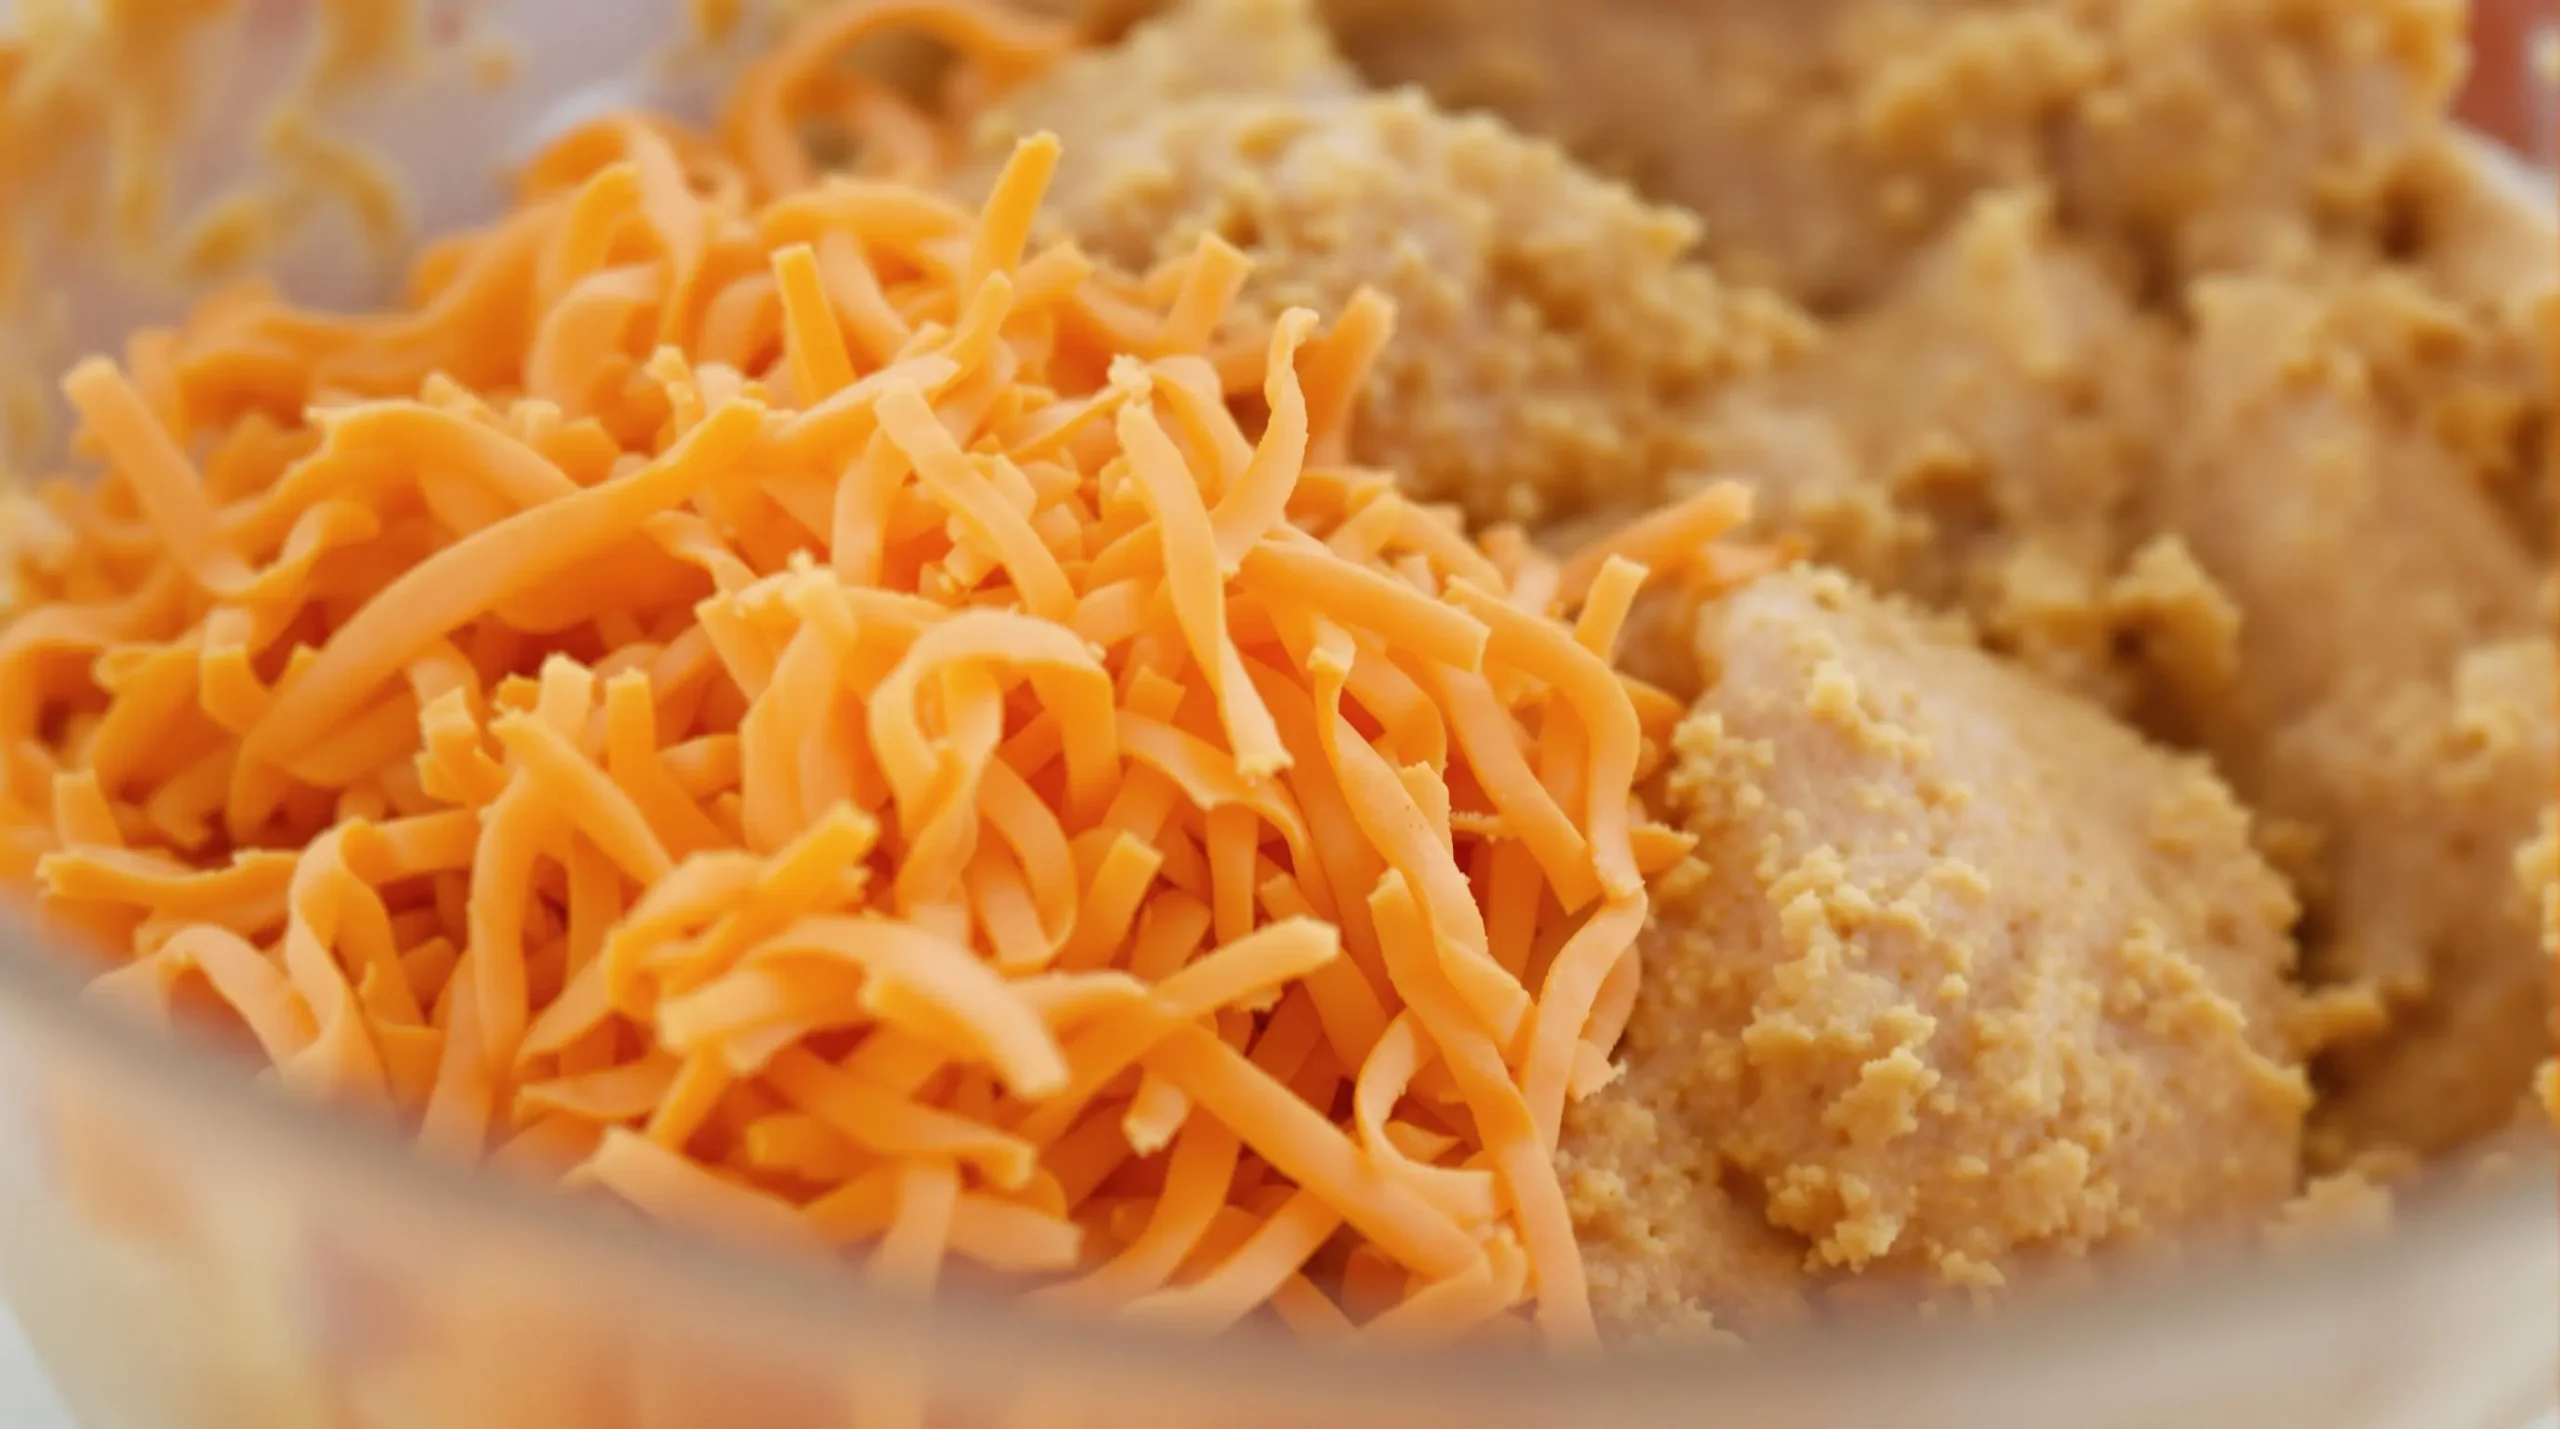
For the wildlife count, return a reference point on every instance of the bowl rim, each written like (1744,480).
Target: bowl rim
(2187,1308)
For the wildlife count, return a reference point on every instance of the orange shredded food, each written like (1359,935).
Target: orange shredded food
(768,697)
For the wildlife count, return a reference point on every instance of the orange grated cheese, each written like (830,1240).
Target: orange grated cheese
(772,697)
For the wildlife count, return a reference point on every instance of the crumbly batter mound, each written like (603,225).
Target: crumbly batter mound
(1553,340)
(1962,974)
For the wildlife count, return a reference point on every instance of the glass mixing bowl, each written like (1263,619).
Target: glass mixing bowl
(187,1250)
(191,1252)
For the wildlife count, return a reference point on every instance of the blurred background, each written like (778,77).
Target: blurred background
(2512,94)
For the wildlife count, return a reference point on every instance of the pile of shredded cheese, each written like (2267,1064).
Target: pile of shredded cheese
(768,697)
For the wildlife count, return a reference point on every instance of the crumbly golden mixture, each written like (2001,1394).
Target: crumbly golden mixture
(1821,142)
(2256,135)
(1552,341)
(2483,385)
(1674,1240)
(2322,504)
(1962,973)
(2393,697)
(1974,439)
(1826,141)
(2430,790)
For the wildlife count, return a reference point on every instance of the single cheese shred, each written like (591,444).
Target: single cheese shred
(772,697)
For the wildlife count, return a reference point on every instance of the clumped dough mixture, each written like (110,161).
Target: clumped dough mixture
(2180,374)
(1960,972)
(2391,707)
(1826,143)
(1553,345)
(1975,439)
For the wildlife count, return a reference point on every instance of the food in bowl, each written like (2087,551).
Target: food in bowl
(885,678)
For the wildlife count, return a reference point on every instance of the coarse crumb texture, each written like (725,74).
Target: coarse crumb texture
(1975,439)
(1553,341)
(2311,487)
(2254,135)
(2487,254)
(1962,973)
(2439,784)
(1826,141)
(1832,146)
(1674,1242)
(2392,701)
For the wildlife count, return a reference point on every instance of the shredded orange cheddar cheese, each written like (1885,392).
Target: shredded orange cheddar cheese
(767,696)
